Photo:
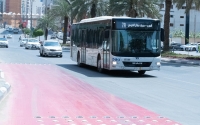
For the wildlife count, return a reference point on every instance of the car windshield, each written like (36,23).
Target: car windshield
(51,44)
(135,43)
(3,39)
(33,40)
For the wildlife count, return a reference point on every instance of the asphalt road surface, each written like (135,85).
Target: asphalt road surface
(55,91)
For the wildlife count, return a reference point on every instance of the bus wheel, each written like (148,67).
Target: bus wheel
(99,68)
(79,60)
(141,72)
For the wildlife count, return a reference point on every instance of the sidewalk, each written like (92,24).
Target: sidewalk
(183,61)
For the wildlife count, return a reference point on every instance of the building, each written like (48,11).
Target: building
(1,10)
(13,8)
(177,19)
(31,10)
(47,4)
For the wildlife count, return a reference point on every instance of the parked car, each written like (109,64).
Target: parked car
(50,48)
(189,47)
(68,41)
(53,36)
(60,35)
(23,42)
(9,36)
(3,42)
(15,30)
(10,29)
(32,43)
(175,46)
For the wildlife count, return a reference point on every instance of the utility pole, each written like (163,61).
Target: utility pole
(31,2)
(194,28)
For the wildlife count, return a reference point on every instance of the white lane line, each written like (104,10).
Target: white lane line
(182,81)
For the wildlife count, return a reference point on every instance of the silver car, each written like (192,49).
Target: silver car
(4,42)
(32,43)
(50,48)
(23,42)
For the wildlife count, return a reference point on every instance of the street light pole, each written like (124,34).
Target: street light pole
(31,16)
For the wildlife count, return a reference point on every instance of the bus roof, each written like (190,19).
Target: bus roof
(110,18)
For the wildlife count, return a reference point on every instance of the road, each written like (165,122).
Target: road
(54,91)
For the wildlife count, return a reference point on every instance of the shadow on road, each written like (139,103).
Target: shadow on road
(91,71)
(48,56)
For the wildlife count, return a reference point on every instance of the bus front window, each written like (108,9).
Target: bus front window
(135,43)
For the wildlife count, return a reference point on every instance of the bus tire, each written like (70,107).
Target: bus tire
(141,72)
(79,60)
(99,67)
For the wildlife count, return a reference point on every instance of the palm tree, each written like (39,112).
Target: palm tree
(88,8)
(135,8)
(46,22)
(189,5)
(168,4)
(62,9)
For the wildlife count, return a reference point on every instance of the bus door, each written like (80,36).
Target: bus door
(106,50)
(83,46)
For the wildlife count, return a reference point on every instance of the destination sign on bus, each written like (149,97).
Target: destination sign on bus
(145,24)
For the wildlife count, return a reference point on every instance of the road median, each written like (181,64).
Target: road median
(180,57)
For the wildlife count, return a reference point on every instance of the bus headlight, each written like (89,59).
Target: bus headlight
(114,63)
(158,64)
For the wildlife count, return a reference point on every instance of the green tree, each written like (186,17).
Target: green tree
(135,8)
(190,4)
(62,9)
(26,31)
(178,33)
(38,32)
(90,8)
(46,22)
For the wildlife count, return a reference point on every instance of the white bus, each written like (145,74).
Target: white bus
(117,43)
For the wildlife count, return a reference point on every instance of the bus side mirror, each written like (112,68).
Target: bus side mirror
(107,34)
(162,35)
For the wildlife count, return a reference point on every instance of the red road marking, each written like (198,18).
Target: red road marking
(45,95)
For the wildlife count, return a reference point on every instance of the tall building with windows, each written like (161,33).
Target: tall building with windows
(31,10)
(178,20)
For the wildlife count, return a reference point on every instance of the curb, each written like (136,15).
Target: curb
(191,62)
(4,86)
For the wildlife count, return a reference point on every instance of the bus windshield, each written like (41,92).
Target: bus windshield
(135,43)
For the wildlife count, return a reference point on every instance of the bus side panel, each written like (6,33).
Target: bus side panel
(74,53)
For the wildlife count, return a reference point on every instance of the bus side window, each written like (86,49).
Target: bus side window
(101,37)
(107,34)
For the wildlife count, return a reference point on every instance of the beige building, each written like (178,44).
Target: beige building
(13,7)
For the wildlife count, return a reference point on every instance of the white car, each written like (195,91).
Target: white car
(60,35)
(50,48)
(4,42)
(23,42)
(32,43)
(9,36)
(15,30)
(188,47)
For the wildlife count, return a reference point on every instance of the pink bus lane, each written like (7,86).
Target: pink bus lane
(46,95)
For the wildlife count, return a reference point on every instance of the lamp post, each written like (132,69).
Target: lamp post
(31,2)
